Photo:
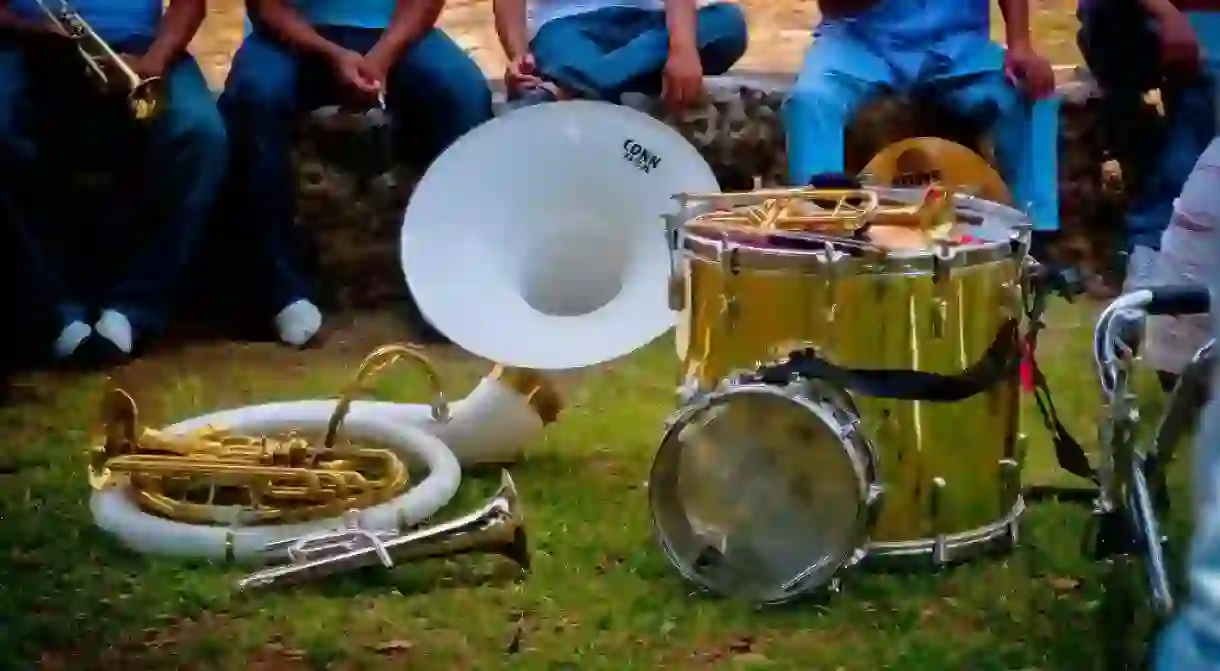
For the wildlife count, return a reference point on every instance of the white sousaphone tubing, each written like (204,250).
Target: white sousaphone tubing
(491,425)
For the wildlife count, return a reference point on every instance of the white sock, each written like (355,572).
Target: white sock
(298,323)
(71,338)
(113,326)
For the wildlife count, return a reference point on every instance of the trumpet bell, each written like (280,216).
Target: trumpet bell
(538,241)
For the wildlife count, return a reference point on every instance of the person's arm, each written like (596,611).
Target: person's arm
(680,23)
(278,18)
(412,20)
(510,27)
(177,28)
(1016,24)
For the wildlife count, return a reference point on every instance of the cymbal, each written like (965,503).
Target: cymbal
(921,160)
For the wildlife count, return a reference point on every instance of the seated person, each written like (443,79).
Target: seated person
(1116,38)
(303,55)
(602,49)
(938,50)
(170,167)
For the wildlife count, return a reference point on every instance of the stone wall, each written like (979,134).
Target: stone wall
(352,195)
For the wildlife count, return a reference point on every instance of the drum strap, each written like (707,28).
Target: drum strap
(1001,361)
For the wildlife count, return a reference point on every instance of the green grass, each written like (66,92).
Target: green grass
(600,596)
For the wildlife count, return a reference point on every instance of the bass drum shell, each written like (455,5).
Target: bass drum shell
(763,493)
(951,470)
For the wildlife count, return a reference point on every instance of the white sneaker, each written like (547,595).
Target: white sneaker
(1141,263)
(114,326)
(70,339)
(298,323)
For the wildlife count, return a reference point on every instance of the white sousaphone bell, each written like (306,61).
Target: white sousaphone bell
(537,240)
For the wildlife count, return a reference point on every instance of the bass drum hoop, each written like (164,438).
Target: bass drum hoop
(838,418)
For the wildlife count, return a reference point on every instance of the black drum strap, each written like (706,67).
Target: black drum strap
(1001,361)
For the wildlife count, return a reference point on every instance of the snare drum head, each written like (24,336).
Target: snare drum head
(756,494)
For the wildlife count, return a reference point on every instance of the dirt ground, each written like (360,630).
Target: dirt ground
(779,33)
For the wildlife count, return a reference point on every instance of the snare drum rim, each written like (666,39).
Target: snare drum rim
(694,246)
(860,453)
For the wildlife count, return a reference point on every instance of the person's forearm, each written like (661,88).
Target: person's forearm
(510,27)
(1016,22)
(412,19)
(680,22)
(176,30)
(283,22)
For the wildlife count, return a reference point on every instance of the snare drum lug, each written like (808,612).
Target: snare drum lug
(940,547)
(1010,482)
(940,317)
(730,267)
(872,504)
(677,292)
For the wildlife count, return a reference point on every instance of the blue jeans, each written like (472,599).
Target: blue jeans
(435,91)
(1118,45)
(848,64)
(1192,641)
(608,52)
(170,171)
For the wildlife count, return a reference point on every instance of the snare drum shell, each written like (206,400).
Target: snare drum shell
(948,467)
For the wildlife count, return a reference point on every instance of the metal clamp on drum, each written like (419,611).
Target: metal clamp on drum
(767,484)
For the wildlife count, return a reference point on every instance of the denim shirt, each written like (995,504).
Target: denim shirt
(907,22)
(116,21)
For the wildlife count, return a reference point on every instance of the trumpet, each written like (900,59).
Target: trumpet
(830,215)
(497,526)
(107,66)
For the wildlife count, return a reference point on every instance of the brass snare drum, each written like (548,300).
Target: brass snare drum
(950,470)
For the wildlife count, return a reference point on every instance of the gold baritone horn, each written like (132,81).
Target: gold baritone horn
(110,71)
(216,477)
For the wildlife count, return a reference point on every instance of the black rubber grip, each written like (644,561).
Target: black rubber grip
(1183,299)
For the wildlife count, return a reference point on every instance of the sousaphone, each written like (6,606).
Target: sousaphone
(537,239)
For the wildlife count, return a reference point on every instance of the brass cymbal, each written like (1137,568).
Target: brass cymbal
(920,160)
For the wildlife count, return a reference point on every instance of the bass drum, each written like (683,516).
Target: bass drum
(763,492)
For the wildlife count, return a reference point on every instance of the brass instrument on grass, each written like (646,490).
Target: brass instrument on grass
(496,527)
(113,74)
(211,476)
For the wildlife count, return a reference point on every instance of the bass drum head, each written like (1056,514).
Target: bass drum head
(762,494)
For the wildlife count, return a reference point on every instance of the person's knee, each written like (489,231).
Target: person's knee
(198,131)
(260,85)
(460,85)
(812,99)
(726,35)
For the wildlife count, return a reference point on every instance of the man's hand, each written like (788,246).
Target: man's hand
(358,77)
(1180,51)
(1030,70)
(377,64)
(521,73)
(145,66)
(682,81)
